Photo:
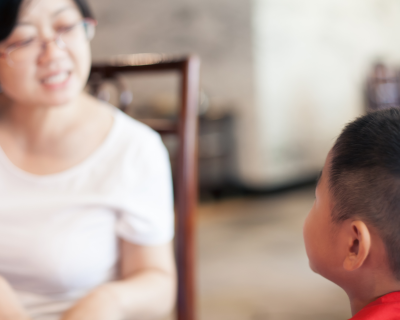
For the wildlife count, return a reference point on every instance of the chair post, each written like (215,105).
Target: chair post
(187,189)
(186,179)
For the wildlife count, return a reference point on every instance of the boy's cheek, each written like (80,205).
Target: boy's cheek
(309,230)
(314,244)
(312,265)
(308,242)
(316,259)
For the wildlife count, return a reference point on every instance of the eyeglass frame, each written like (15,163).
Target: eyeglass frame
(57,39)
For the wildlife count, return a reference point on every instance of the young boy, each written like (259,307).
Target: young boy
(352,233)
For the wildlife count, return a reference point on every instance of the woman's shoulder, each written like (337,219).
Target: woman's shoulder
(136,153)
(134,136)
(133,126)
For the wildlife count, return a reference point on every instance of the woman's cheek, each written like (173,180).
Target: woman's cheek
(82,63)
(16,83)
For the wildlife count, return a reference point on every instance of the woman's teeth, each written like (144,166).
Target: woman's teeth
(57,79)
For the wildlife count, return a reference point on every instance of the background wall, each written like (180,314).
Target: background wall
(219,31)
(311,60)
(291,71)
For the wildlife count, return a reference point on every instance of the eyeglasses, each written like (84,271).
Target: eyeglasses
(22,52)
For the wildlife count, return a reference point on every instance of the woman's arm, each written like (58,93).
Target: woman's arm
(147,288)
(10,308)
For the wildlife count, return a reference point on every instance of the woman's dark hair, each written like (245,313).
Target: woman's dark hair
(9,13)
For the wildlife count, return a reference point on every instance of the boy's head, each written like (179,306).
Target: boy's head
(354,225)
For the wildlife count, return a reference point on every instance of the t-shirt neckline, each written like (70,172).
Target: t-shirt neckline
(111,135)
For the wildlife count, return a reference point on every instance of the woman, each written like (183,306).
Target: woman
(86,212)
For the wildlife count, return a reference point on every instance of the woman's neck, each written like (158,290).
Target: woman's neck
(41,122)
(47,140)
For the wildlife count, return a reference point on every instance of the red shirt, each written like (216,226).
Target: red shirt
(384,308)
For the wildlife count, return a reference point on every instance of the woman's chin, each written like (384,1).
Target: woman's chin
(59,97)
(53,100)
(58,101)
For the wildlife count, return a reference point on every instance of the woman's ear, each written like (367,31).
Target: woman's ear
(358,245)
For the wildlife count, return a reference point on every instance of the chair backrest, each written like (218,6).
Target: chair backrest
(185,183)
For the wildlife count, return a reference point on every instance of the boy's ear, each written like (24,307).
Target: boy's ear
(358,245)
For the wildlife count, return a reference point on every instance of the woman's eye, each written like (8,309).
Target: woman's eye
(22,43)
(66,28)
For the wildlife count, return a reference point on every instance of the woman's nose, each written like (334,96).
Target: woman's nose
(51,49)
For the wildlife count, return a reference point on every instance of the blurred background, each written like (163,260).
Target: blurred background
(280,79)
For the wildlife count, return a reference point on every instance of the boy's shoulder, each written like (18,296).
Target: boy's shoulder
(386,307)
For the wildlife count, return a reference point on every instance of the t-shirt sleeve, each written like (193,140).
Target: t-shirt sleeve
(147,217)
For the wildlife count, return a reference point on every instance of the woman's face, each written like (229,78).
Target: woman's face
(37,66)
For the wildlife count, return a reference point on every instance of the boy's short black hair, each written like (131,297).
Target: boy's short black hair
(364,177)
(9,13)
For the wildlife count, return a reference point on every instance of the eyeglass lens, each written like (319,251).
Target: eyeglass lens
(67,39)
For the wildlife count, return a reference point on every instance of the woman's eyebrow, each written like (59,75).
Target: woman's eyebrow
(62,10)
(22,23)
(25,23)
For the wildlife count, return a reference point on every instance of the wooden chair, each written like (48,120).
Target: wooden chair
(185,181)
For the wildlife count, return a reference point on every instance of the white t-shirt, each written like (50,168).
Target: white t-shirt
(58,232)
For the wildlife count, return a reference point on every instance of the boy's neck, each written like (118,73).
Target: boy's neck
(367,294)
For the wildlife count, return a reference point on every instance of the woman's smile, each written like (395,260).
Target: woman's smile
(56,80)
